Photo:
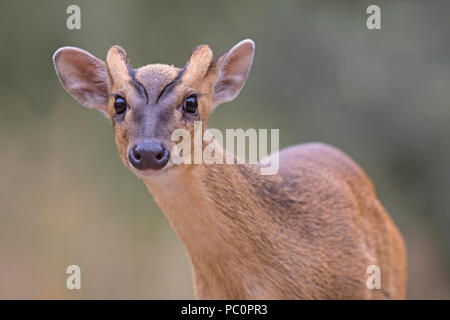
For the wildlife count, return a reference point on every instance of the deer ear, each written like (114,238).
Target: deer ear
(234,67)
(84,76)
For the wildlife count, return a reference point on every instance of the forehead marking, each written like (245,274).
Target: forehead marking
(155,77)
(136,83)
(171,84)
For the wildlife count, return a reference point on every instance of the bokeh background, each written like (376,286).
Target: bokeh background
(319,75)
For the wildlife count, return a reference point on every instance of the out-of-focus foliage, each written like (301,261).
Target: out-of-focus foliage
(319,75)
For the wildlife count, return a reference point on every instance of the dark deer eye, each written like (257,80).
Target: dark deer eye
(190,105)
(120,105)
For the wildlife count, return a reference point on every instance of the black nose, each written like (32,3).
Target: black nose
(149,155)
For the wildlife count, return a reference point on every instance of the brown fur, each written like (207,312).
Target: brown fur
(308,232)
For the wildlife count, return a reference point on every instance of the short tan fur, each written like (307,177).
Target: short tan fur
(308,232)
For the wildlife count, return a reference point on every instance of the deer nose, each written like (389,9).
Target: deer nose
(149,155)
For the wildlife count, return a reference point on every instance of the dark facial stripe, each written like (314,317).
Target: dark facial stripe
(135,82)
(172,84)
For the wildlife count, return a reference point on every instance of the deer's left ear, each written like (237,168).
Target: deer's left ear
(84,76)
(234,67)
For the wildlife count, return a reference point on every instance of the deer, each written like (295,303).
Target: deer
(310,231)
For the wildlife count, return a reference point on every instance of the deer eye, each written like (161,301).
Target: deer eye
(120,105)
(190,105)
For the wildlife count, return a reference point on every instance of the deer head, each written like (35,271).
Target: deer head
(147,104)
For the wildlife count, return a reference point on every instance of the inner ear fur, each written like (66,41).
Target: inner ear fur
(83,75)
(233,69)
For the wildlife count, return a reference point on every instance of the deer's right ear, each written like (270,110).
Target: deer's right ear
(84,76)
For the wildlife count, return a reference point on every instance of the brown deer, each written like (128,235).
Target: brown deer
(308,232)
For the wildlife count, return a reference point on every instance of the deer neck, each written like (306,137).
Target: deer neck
(208,205)
(191,207)
(221,216)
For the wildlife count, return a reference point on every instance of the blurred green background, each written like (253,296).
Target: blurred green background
(319,75)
